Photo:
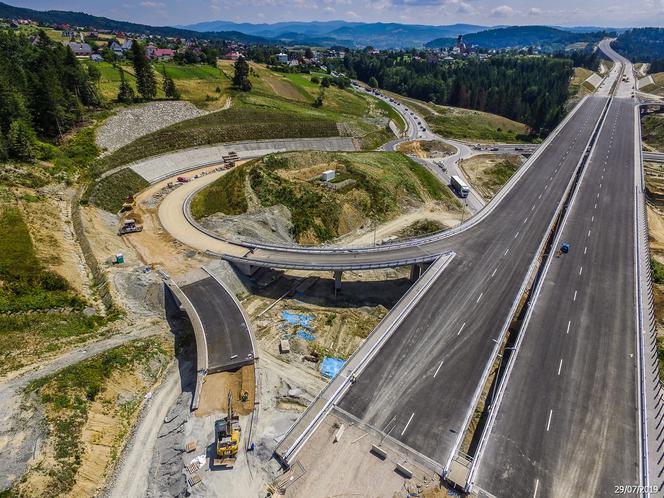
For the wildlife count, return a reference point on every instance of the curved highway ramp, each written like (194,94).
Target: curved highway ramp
(227,335)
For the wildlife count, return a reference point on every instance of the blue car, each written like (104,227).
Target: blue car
(564,248)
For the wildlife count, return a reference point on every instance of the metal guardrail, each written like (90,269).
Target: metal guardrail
(567,199)
(403,307)
(488,209)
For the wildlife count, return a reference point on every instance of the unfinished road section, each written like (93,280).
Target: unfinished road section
(223,334)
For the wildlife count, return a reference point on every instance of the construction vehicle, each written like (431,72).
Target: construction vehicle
(129,204)
(227,432)
(129,226)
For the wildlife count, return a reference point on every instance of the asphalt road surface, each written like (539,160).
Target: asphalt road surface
(228,340)
(567,423)
(421,385)
(552,169)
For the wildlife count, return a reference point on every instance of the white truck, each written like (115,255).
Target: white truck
(459,186)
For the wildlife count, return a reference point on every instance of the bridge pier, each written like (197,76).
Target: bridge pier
(337,281)
(416,271)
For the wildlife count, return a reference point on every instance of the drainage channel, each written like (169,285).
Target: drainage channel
(478,429)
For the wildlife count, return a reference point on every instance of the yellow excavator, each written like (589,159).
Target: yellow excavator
(227,437)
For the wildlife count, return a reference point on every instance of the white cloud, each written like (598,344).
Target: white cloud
(352,15)
(502,11)
(153,5)
(534,11)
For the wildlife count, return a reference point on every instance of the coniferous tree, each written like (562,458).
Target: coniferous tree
(146,82)
(125,92)
(170,89)
(21,141)
(241,76)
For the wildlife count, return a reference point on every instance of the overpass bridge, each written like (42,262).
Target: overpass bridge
(443,346)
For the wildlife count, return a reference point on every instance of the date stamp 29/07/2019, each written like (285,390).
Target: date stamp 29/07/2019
(630,489)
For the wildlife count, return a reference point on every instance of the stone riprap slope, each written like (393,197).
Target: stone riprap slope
(131,123)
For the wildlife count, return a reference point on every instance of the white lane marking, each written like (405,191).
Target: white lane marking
(548,424)
(508,250)
(595,205)
(478,299)
(408,423)
(536,486)
(569,324)
(540,196)
(598,195)
(464,324)
(588,234)
(533,208)
(494,271)
(574,295)
(516,235)
(560,366)
(600,185)
(524,221)
(592,220)
(438,369)
(580,270)
(585,249)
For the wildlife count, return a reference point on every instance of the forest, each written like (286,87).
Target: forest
(44,92)
(532,90)
(641,44)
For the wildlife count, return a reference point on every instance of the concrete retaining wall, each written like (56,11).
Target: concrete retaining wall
(100,282)
(156,168)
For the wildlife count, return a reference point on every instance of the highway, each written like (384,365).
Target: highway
(552,167)
(567,424)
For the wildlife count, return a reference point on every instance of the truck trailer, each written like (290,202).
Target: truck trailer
(459,186)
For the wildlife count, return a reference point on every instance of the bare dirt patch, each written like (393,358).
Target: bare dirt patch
(285,88)
(47,214)
(214,395)
(427,149)
(487,173)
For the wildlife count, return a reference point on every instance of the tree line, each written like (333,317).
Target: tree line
(532,90)
(641,44)
(44,91)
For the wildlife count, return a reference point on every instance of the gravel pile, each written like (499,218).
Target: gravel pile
(129,124)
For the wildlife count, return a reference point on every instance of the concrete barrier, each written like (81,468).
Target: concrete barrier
(199,334)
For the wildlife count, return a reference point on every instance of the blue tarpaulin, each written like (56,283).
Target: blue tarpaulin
(303,334)
(330,367)
(297,319)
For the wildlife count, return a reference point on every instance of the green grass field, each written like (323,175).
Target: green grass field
(653,131)
(26,285)
(382,183)
(111,192)
(466,124)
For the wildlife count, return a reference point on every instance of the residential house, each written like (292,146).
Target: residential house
(282,58)
(116,48)
(162,54)
(80,49)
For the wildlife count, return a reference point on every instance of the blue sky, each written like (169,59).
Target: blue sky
(486,12)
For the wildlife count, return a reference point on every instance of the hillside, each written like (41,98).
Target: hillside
(278,106)
(283,192)
(641,44)
(82,19)
(521,36)
(467,124)
(358,34)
